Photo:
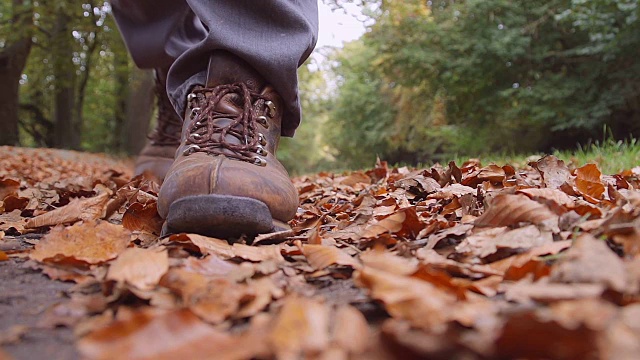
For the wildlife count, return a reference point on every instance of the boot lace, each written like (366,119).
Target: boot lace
(207,136)
(169,124)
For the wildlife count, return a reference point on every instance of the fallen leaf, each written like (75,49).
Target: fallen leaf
(553,171)
(589,183)
(388,262)
(301,328)
(320,256)
(143,217)
(507,210)
(91,242)
(523,238)
(141,268)
(8,187)
(78,209)
(227,251)
(13,222)
(421,303)
(154,334)
(590,261)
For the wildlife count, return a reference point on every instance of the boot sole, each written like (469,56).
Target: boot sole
(220,216)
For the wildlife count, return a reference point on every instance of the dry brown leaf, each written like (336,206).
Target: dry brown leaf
(507,210)
(143,217)
(390,224)
(523,238)
(555,195)
(13,222)
(78,209)
(591,261)
(301,328)
(91,242)
(3,256)
(212,299)
(554,172)
(350,330)
(524,291)
(388,262)
(421,303)
(151,333)
(211,265)
(320,256)
(141,268)
(223,249)
(589,183)
(8,187)
(354,178)
(264,291)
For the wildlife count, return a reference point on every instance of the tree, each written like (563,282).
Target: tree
(15,45)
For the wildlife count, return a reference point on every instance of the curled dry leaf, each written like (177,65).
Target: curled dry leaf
(507,209)
(421,303)
(558,197)
(225,250)
(589,182)
(154,334)
(320,256)
(212,299)
(301,328)
(13,222)
(78,209)
(591,261)
(388,262)
(91,242)
(553,171)
(350,330)
(141,268)
(143,217)
(523,238)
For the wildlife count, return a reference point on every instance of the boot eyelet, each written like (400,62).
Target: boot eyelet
(261,151)
(272,108)
(191,97)
(259,161)
(262,120)
(261,139)
(196,136)
(190,150)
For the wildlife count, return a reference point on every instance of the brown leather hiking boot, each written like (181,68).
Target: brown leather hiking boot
(157,156)
(226,180)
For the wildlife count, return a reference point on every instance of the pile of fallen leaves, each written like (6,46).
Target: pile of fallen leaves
(471,261)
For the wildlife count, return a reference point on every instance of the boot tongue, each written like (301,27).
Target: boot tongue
(226,68)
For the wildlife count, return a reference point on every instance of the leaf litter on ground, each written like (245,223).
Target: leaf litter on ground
(450,261)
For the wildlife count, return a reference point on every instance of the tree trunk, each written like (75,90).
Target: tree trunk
(139,110)
(12,61)
(121,73)
(67,131)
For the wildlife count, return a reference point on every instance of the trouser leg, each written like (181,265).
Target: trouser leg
(157,32)
(273,36)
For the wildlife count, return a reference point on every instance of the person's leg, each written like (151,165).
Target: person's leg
(273,36)
(157,32)
(238,92)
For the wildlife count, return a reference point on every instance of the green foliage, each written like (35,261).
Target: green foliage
(480,76)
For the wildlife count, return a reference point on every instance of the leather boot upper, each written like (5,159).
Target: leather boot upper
(158,154)
(229,140)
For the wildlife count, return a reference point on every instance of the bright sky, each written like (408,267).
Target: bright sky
(337,27)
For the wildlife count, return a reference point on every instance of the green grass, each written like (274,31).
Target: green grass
(611,156)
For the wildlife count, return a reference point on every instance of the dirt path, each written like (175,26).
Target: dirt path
(25,298)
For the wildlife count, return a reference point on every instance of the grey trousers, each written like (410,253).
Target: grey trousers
(176,37)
